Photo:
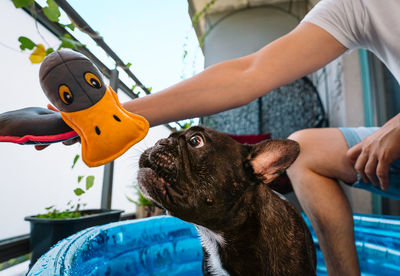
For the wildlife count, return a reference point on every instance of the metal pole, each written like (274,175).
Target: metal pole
(106,194)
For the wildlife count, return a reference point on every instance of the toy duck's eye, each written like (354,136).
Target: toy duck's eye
(196,141)
(92,80)
(65,94)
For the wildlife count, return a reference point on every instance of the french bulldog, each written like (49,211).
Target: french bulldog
(206,178)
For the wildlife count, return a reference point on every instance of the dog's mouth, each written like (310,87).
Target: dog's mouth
(158,177)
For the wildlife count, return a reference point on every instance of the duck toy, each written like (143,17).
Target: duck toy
(87,107)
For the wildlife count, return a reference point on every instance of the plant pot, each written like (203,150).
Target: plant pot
(144,211)
(46,232)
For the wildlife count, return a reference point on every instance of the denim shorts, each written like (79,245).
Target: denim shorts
(353,136)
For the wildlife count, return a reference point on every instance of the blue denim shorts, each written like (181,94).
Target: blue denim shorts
(353,136)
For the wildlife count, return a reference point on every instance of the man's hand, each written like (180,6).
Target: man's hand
(67,142)
(373,155)
(35,125)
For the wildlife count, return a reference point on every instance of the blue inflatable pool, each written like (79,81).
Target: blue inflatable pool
(168,246)
(377,242)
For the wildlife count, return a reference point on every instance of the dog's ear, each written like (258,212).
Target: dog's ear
(270,158)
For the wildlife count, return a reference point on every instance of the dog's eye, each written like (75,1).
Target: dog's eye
(196,141)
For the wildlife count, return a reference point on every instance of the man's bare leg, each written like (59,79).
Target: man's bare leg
(322,160)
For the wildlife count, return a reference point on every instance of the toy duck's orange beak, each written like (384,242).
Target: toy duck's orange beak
(106,129)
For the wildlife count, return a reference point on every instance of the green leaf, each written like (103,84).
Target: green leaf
(131,200)
(89,182)
(26,43)
(71,26)
(76,158)
(133,87)
(79,191)
(186,125)
(144,201)
(149,88)
(50,207)
(80,178)
(128,65)
(68,42)
(49,51)
(22,3)
(60,215)
(52,11)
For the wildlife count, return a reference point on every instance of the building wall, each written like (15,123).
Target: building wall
(243,32)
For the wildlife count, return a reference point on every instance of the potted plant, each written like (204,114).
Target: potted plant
(48,228)
(144,207)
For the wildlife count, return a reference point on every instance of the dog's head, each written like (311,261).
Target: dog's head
(198,174)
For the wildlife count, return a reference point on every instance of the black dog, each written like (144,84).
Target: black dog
(204,177)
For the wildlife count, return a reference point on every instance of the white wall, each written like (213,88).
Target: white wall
(244,32)
(31,180)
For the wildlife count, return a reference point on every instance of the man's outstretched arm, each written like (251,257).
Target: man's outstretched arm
(239,81)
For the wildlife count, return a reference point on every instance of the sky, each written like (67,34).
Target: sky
(150,34)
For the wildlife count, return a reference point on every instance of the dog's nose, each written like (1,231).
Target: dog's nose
(164,142)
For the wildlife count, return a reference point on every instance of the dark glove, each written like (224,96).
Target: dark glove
(34,125)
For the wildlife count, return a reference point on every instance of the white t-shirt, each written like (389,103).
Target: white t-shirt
(368,24)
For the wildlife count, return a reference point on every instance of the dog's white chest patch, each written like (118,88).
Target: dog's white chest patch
(210,242)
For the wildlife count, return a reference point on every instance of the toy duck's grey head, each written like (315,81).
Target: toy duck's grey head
(71,81)
(74,85)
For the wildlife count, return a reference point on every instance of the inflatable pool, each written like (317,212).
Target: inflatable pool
(168,246)
(377,242)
